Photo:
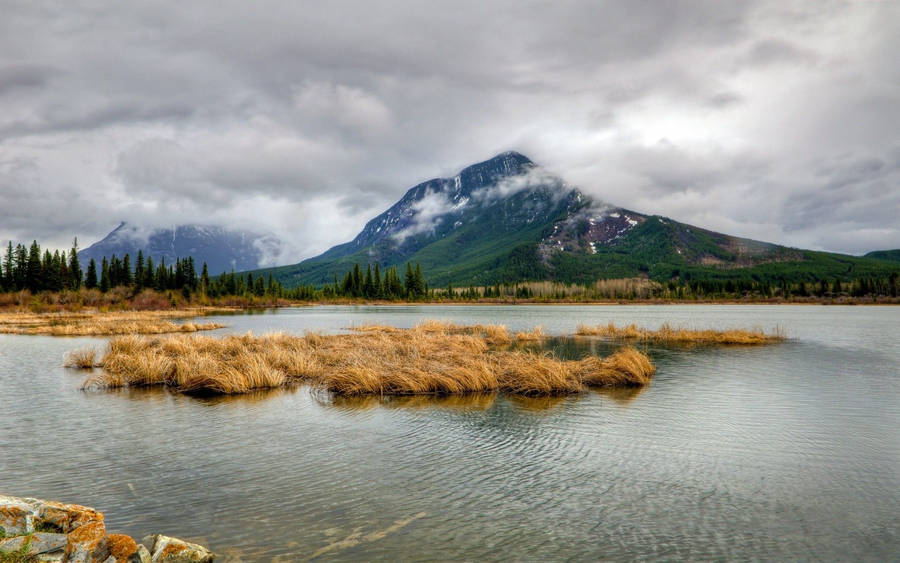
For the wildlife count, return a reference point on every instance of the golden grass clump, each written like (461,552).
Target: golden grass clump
(426,360)
(102,323)
(534,335)
(83,358)
(667,334)
(627,367)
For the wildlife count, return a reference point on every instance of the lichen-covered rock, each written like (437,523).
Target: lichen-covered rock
(87,544)
(37,543)
(16,516)
(123,549)
(66,517)
(165,549)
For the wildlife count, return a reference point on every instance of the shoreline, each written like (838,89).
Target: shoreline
(33,530)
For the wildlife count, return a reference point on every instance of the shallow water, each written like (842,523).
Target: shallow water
(790,451)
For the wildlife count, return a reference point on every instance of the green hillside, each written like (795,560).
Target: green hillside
(505,220)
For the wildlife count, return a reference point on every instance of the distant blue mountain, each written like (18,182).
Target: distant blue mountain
(220,248)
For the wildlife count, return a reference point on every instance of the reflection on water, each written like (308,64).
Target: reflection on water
(621,395)
(467,402)
(788,452)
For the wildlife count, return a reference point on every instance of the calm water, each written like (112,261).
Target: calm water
(789,452)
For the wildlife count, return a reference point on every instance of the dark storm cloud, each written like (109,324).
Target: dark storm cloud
(763,119)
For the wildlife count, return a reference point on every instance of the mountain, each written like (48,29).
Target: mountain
(220,248)
(892,255)
(507,219)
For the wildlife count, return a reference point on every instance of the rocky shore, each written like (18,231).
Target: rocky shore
(52,532)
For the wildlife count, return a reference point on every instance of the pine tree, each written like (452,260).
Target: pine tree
(357,280)
(33,268)
(149,273)
(104,275)
(379,287)
(368,288)
(8,281)
(75,273)
(204,279)
(139,271)
(126,271)
(410,280)
(21,266)
(62,267)
(90,280)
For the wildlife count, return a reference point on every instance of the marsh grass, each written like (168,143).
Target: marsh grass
(102,323)
(536,334)
(430,359)
(667,334)
(83,358)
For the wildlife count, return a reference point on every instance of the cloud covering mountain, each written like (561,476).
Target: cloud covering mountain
(769,120)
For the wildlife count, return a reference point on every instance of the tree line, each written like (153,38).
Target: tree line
(30,268)
(372,285)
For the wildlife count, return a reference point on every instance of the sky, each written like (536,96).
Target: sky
(778,121)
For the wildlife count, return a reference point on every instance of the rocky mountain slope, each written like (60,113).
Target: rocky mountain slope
(508,219)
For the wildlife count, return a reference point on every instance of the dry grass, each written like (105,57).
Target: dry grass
(84,358)
(431,359)
(102,323)
(671,335)
(536,334)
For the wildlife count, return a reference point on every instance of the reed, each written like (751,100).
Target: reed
(84,358)
(534,335)
(667,334)
(102,323)
(430,359)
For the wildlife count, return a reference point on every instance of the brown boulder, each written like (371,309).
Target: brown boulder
(67,517)
(87,544)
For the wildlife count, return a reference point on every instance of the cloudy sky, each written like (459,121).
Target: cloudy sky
(773,120)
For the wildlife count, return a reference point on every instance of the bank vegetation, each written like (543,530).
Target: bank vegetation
(431,359)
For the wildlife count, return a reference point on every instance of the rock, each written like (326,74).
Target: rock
(54,557)
(143,554)
(16,516)
(124,549)
(66,517)
(39,543)
(87,544)
(173,550)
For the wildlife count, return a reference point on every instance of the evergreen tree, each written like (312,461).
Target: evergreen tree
(368,288)
(410,280)
(139,271)
(149,274)
(204,279)
(33,268)
(104,275)
(90,280)
(125,278)
(357,280)
(65,281)
(75,273)
(8,281)
(379,287)
(21,266)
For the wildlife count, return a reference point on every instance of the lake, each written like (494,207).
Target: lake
(783,452)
